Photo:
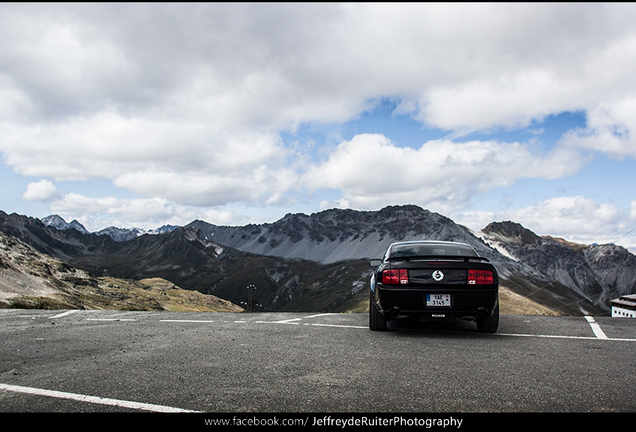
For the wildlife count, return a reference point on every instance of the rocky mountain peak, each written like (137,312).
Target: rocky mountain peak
(56,221)
(116,233)
(121,234)
(512,232)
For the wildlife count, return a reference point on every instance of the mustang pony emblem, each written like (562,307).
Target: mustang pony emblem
(438,275)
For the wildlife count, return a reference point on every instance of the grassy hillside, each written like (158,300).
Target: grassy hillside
(29,279)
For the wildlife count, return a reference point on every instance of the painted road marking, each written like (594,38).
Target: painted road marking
(595,327)
(287,321)
(63,314)
(562,337)
(92,399)
(187,321)
(337,325)
(598,332)
(322,314)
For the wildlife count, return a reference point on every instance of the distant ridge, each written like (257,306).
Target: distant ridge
(117,234)
(29,279)
(336,235)
(295,260)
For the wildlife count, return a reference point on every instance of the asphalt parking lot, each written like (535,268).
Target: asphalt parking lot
(113,362)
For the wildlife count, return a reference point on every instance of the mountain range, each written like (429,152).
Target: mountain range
(319,262)
(30,279)
(119,234)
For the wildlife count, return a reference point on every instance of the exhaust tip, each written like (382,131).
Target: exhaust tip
(483,312)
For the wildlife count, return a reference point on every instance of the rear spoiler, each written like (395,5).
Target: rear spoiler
(438,258)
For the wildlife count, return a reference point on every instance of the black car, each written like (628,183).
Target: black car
(434,280)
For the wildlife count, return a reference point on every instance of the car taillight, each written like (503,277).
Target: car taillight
(480,277)
(395,277)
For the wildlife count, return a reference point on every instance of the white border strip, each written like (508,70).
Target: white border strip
(63,314)
(596,328)
(92,399)
(287,321)
(186,321)
(323,314)
(337,325)
(560,337)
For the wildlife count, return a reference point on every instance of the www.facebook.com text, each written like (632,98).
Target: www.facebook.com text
(334,421)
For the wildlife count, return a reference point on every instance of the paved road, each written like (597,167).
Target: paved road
(106,361)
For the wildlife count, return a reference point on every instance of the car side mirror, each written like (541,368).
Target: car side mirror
(375,262)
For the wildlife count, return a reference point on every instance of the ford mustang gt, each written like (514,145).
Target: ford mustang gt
(434,280)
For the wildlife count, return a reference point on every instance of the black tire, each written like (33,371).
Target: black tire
(490,323)
(377,321)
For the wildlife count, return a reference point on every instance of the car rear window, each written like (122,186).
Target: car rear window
(416,249)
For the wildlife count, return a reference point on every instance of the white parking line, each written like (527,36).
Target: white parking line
(92,399)
(562,337)
(65,313)
(322,314)
(337,325)
(598,332)
(287,321)
(595,327)
(186,321)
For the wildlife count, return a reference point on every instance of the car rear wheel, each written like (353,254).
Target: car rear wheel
(490,323)
(377,321)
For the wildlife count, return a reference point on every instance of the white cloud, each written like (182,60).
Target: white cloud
(575,215)
(278,65)
(183,104)
(575,218)
(261,184)
(189,163)
(109,144)
(441,175)
(41,191)
(98,213)
(611,129)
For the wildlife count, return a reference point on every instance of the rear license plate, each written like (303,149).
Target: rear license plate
(438,300)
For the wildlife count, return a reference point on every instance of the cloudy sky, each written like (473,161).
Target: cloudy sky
(147,114)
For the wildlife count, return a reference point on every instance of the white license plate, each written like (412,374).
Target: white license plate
(438,300)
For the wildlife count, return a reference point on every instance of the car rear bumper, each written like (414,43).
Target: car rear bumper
(468,303)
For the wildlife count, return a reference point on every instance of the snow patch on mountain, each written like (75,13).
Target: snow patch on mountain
(497,245)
